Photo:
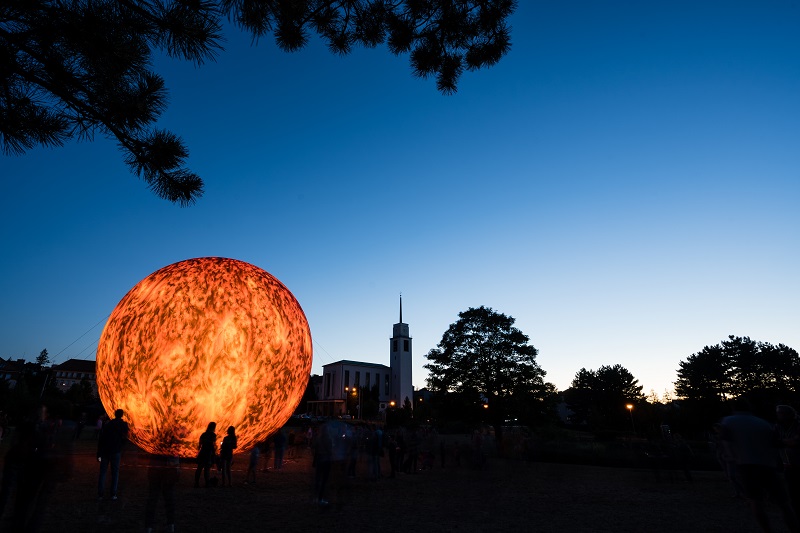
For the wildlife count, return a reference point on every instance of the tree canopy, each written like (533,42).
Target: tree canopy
(599,397)
(482,351)
(739,366)
(43,359)
(75,68)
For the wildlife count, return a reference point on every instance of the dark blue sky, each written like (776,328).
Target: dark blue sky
(624,183)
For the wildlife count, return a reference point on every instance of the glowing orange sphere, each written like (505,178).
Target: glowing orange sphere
(204,340)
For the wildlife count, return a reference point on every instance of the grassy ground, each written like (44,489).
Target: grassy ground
(504,495)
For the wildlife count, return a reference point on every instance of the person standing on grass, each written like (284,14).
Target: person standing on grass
(754,444)
(322,448)
(266,451)
(226,454)
(279,441)
(206,454)
(290,444)
(252,468)
(110,442)
(162,476)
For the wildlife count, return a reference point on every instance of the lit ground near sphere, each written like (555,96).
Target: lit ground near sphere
(202,340)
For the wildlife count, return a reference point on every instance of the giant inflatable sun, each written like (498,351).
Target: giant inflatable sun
(204,340)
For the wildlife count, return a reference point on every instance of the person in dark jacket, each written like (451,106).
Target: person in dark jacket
(110,442)
(206,454)
(226,455)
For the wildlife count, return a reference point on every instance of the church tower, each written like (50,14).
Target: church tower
(400,363)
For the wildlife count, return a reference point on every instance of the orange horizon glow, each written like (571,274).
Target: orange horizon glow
(204,340)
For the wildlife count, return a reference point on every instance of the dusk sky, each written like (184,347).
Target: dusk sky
(625,183)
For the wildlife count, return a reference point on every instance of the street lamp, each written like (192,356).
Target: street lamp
(629,407)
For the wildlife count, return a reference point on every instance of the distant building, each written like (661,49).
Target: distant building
(13,370)
(72,371)
(344,380)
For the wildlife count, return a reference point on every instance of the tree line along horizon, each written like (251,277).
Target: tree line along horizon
(484,371)
(482,357)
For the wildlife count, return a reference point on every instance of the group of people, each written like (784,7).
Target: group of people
(162,471)
(338,448)
(207,456)
(41,456)
(762,461)
(276,448)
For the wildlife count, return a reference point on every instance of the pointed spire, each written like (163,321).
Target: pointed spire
(401,307)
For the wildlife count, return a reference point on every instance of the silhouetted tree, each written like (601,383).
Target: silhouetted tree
(483,351)
(705,375)
(459,411)
(20,400)
(81,394)
(43,359)
(739,366)
(370,402)
(309,395)
(75,68)
(599,398)
(579,399)
(535,407)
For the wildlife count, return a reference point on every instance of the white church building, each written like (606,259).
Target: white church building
(343,381)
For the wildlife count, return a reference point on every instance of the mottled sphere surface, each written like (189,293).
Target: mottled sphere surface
(204,340)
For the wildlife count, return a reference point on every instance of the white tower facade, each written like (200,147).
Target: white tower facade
(400,363)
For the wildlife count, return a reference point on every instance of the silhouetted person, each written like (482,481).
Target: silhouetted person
(401,451)
(392,449)
(252,467)
(279,441)
(3,425)
(726,460)
(162,476)
(81,425)
(322,446)
(788,428)
(376,452)
(42,458)
(110,442)
(226,454)
(16,458)
(98,425)
(290,444)
(343,440)
(266,452)
(207,452)
(412,448)
(754,444)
